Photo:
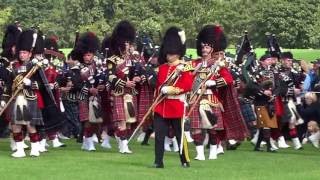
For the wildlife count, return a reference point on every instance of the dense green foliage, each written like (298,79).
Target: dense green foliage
(295,22)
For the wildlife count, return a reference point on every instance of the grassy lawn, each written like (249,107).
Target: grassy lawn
(305,54)
(72,163)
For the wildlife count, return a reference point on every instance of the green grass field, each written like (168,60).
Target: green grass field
(305,54)
(72,163)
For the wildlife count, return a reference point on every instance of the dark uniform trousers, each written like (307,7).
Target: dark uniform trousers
(161,128)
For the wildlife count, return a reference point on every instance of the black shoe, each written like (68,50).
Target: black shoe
(145,144)
(155,165)
(232,147)
(80,139)
(185,165)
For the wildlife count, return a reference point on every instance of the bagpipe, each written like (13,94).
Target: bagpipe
(170,81)
(96,77)
(144,63)
(209,119)
(273,45)
(246,59)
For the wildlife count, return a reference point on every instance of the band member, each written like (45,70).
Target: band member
(144,66)
(8,55)
(273,49)
(26,107)
(213,87)
(291,116)
(51,73)
(263,94)
(70,83)
(123,82)
(89,100)
(5,90)
(106,102)
(174,79)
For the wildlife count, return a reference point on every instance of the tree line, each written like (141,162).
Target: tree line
(295,23)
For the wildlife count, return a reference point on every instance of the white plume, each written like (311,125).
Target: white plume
(182,35)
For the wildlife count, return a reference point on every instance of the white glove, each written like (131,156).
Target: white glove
(2,104)
(26,82)
(51,86)
(298,100)
(165,90)
(210,83)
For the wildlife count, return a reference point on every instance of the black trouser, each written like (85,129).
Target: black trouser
(161,129)
(264,134)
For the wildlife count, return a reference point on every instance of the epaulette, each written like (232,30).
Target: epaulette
(188,67)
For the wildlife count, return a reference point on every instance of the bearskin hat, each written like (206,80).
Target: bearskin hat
(123,32)
(25,41)
(105,45)
(51,43)
(88,43)
(286,55)
(173,43)
(212,35)
(74,55)
(11,35)
(39,47)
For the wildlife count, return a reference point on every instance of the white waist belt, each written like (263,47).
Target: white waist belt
(181,97)
(207,91)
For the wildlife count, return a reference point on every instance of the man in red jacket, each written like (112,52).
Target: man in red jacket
(171,110)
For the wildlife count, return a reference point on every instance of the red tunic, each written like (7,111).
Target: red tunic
(172,108)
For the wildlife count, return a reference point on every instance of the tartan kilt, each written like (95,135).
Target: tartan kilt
(145,99)
(118,110)
(34,114)
(106,105)
(195,120)
(234,123)
(53,118)
(84,110)
(286,117)
(7,114)
(247,112)
(71,110)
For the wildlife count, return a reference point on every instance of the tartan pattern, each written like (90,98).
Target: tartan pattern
(34,114)
(84,110)
(195,121)
(72,114)
(145,99)
(234,124)
(106,105)
(286,114)
(118,111)
(247,111)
